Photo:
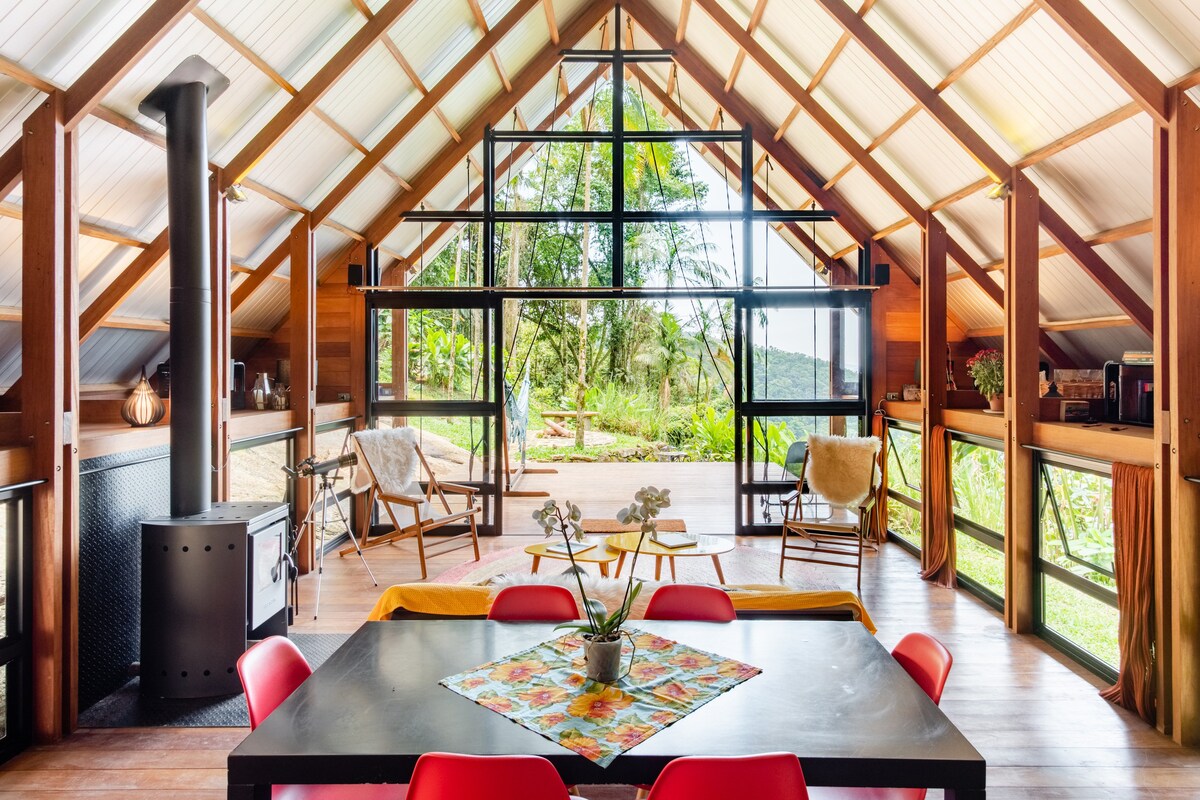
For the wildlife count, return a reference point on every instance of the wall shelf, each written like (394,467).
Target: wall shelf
(1106,442)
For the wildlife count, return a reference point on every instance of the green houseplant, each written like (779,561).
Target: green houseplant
(986,368)
(601,629)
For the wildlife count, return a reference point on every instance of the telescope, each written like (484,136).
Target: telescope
(310,467)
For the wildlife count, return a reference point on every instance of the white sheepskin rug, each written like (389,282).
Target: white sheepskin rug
(393,458)
(839,468)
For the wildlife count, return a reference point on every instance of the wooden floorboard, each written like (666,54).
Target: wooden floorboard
(1033,713)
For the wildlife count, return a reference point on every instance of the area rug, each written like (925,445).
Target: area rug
(126,708)
(743,565)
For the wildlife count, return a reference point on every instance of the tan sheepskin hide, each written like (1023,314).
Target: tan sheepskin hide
(839,468)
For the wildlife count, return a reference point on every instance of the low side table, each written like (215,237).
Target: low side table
(601,555)
(627,542)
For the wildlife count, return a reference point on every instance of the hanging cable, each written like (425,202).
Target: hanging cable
(675,245)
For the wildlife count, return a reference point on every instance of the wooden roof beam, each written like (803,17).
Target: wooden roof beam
(329,74)
(541,65)
(1091,323)
(122,287)
(995,165)
(426,105)
(954,74)
(1108,236)
(1111,53)
(104,73)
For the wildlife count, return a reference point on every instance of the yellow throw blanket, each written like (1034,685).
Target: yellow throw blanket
(451,599)
(433,598)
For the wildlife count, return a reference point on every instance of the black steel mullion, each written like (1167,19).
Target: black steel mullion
(739,456)
(501,432)
(1106,596)
(618,155)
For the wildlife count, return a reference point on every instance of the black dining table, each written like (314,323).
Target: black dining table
(828,692)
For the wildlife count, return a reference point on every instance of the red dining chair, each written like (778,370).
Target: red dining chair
(450,776)
(534,603)
(774,775)
(928,662)
(684,601)
(270,671)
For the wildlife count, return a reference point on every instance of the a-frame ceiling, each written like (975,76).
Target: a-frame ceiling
(893,112)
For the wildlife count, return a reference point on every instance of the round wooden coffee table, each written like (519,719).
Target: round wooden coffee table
(601,554)
(711,546)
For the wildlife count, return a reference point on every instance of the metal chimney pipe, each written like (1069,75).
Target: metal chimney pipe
(181,102)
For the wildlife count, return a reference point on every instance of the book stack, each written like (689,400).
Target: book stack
(1138,357)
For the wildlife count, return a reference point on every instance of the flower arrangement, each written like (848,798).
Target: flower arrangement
(986,368)
(647,503)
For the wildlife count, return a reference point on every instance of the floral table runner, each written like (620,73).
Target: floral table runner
(544,689)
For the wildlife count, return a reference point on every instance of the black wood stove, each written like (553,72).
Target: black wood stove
(213,575)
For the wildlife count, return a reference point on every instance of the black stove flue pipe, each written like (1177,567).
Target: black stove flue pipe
(181,103)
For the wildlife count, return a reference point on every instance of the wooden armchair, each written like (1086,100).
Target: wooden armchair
(390,463)
(841,473)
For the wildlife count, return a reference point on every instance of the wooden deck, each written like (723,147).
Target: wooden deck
(1033,714)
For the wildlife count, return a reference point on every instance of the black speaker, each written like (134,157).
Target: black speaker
(354,275)
(883,274)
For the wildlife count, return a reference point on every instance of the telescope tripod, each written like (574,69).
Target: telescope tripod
(321,499)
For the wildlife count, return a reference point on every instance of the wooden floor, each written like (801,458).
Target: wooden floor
(1033,714)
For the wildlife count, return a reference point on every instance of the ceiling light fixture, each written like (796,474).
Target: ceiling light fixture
(236,194)
(1000,191)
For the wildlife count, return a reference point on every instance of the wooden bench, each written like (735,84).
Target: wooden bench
(554,420)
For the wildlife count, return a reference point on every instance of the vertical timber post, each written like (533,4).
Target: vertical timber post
(1021,212)
(303,356)
(933,363)
(222,344)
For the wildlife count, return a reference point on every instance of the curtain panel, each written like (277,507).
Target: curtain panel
(937,554)
(1133,538)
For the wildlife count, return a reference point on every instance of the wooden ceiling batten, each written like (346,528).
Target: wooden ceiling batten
(497,109)
(1000,171)
(1111,54)
(755,19)
(316,88)
(481,21)
(551,21)
(122,286)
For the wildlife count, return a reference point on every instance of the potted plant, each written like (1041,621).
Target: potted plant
(601,630)
(986,368)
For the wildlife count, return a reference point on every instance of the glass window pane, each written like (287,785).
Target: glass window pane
(771,453)
(1085,620)
(682,255)
(805,354)
(980,562)
(445,354)
(1076,523)
(977,474)
(256,473)
(904,521)
(442,254)
(904,462)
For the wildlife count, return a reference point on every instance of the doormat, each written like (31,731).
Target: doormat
(126,708)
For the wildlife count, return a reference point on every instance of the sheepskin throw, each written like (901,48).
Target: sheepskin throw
(839,468)
(392,456)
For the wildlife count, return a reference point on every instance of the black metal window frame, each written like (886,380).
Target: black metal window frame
(980,533)
(1044,568)
(491,303)
(16,645)
(746,295)
(913,503)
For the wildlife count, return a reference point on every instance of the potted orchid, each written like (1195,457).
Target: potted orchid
(986,368)
(602,630)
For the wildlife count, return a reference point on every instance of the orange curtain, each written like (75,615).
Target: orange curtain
(1133,537)
(937,556)
(876,532)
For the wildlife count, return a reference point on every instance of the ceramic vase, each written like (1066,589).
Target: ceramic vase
(603,659)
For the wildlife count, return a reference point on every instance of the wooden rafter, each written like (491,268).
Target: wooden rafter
(1108,236)
(122,287)
(499,107)
(104,73)
(1112,54)
(551,22)
(756,16)
(329,74)
(481,21)
(974,58)
(1112,284)
(423,107)
(1091,323)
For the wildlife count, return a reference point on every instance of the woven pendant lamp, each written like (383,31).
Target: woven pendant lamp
(143,408)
